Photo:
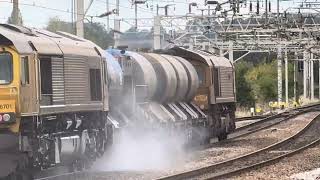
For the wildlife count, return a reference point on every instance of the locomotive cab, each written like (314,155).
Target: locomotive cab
(9,88)
(11,76)
(202,99)
(216,94)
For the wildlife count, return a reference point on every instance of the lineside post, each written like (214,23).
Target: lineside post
(279,56)
(295,76)
(319,78)
(305,73)
(286,75)
(311,77)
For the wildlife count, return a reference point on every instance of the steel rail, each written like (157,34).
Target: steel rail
(268,162)
(70,176)
(256,159)
(271,121)
(262,117)
(285,115)
(248,118)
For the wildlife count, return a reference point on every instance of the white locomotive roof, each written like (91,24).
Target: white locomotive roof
(26,41)
(218,61)
(187,53)
(209,59)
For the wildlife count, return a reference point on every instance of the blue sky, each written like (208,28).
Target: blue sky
(38,17)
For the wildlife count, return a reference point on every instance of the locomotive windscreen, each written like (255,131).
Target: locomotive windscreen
(6,68)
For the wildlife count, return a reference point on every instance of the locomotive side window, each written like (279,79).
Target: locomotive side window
(106,78)
(95,84)
(216,82)
(201,74)
(46,81)
(6,68)
(25,71)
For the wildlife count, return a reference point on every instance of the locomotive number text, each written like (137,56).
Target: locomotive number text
(5,106)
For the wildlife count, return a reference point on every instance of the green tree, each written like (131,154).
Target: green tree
(94,32)
(55,24)
(264,77)
(243,89)
(97,33)
(263,80)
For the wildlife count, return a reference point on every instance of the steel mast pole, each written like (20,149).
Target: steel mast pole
(278,9)
(286,76)
(108,18)
(116,27)
(231,51)
(266,12)
(305,74)
(311,78)
(319,78)
(157,32)
(80,18)
(136,15)
(279,66)
(16,18)
(295,76)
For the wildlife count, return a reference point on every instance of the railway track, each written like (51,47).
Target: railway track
(239,132)
(270,121)
(83,175)
(247,118)
(257,117)
(305,138)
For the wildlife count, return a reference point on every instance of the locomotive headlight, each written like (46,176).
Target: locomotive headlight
(202,101)
(6,117)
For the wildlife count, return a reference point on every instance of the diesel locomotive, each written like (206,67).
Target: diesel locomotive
(61,96)
(188,93)
(53,101)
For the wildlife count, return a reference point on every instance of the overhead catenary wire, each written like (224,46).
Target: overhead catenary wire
(65,11)
(75,13)
(94,16)
(142,9)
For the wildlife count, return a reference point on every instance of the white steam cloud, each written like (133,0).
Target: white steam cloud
(142,151)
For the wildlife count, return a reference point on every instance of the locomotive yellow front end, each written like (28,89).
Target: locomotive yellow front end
(9,89)
(9,110)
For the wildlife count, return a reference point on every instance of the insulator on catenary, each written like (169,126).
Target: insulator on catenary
(250,6)
(269,6)
(238,8)
(285,14)
(258,7)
